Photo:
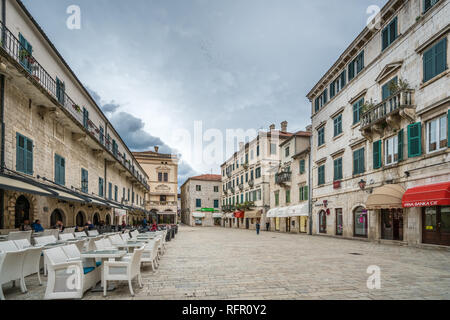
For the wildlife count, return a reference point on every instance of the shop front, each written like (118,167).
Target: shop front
(387,202)
(198,218)
(434,201)
(251,217)
(239,215)
(298,218)
(217,217)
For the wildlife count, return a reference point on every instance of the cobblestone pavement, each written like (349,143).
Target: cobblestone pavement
(218,263)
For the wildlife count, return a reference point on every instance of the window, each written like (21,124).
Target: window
(303,193)
(246,177)
(252,154)
(257,150)
(389,34)
(102,135)
(86,118)
(251,175)
(377,154)
(302,166)
(356,66)
(24,154)
(428,4)
(60,170)
(321,100)
(216,189)
(337,169)
(198,203)
(437,134)
(358,161)
(115,148)
(246,158)
(435,60)
(286,152)
(414,140)
(242,198)
(360,222)
(116,193)
(128,198)
(110,191)
(337,85)
(288,196)
(258,173)
(25,53)
(337,125)
(198,188)
(100,187)
(357,108)
(391,150)
(160,176)
(386,91)
(216,204)
(277,198)
(321,177)
(84,181)
(60,92)
(273,149)
(321,136)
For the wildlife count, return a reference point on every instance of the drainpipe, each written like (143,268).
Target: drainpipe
(310,187)
(2,122)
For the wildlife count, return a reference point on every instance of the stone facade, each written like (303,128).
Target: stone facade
(246,175)
(48,118)
(162,170)
(290,189)
(205,188)
(412,106)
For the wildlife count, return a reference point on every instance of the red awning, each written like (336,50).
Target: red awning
(239,214)
(426,196)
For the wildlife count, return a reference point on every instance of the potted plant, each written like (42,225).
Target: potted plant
(77,108)
(23,54)
(367,106)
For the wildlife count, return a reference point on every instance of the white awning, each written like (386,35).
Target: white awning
(282,212)
(229,215)
(198,214)
(300,210)
(120,212)
(18,184)
(272,213)
(66,196)
(217,215)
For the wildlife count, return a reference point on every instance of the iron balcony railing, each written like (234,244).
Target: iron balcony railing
(401,99)
(283,177)
(12,46)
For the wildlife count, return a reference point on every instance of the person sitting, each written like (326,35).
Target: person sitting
(37,227)
(154,227)
(60,226)
(89,225)
(25,226)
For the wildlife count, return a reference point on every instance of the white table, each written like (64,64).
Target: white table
(110,255)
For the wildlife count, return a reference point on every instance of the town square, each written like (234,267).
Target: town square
(224,150)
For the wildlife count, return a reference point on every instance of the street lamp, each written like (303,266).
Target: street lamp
(362,184)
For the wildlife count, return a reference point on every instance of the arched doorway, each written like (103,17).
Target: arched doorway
(96,219)
(22,211)
(57,215)
(80,221)
(360,222)
(322,222)
(108,220)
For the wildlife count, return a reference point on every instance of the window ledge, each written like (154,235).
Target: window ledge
(436,78)
(338,136)
(321,147)
(356,125)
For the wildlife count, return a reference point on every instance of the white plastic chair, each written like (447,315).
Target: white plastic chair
(134,234)
(59,283)
(103,244)
(93,233)
(150,254)
(51,232)
(10,269)
(125,270)
(42,241)
(8,246)
(18,235)
(80,234)
(117,240)
(126,236)
(69,230)
(66,236)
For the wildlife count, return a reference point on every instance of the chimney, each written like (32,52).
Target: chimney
(156,149)
(284,126)
(272,127)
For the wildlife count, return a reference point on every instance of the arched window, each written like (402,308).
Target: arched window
(96,219)
(322,222)
(22,211)
(80,219)
(108,220)
(57,215)
(360,219)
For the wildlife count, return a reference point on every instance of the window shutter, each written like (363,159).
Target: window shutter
(385,39)
(63,171)
(428,65)
(414,140)
(440,56)
(305,193)
(343,79)
(29,157)
(400,145)
(377,154)
(20,153)
(57,171)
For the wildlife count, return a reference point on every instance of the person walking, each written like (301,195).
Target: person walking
(258,227)
(267,226)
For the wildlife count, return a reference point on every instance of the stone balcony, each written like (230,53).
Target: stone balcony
(388,113)
(283,178)
(162,206)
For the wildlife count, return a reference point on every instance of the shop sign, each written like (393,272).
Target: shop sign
(420,204)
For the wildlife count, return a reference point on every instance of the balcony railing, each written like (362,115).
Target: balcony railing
(391,105)
(283,177)
(12,46)
(163,203)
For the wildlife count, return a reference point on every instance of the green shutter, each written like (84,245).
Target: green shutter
(20,153)
(428,65)
(414,140)
(400,145)
(305,193)
(440,55)
(377,154)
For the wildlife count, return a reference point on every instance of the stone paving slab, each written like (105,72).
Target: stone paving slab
(223,264)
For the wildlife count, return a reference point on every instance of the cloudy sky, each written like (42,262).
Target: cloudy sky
(158,66)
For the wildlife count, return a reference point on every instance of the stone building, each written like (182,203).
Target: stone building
(289,186)
(200,201)
(380,131)
(246,178)
(61,159)
(162,170)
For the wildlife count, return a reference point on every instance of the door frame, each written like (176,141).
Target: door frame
(438,234)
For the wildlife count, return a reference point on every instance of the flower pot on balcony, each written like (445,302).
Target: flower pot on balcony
(336,184)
